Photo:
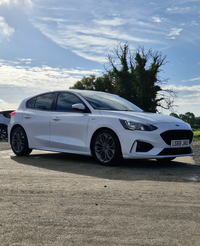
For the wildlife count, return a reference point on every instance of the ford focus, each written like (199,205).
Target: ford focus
(100,124)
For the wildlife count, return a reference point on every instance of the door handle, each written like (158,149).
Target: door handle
(56,119)
(27,117)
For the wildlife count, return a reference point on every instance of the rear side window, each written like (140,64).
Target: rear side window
(42,102)
(65,102)
(31,103)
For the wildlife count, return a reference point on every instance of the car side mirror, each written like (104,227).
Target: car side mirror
(78,107)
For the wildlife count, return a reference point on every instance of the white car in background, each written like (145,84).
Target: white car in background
(4,121)
(96,123)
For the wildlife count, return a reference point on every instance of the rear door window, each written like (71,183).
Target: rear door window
(42,102)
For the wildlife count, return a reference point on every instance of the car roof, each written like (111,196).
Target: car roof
(67,90)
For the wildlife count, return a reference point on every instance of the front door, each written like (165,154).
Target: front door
(68,127)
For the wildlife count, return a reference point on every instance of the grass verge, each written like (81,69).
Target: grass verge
(196,134)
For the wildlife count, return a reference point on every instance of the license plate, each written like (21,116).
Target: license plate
(180,143)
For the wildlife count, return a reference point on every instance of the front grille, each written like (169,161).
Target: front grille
(176,135)
(176,151)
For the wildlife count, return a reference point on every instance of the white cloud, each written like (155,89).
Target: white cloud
(18,81)
(40,77)
(178,9)
(90,56)
(186,91)
(27,3)
(158,19)
(188,98)
(191,23)
(5,30)
(90,41)
(48,19)
(4,2)
(192,80)
(174,32)
(111,22)
(26,61)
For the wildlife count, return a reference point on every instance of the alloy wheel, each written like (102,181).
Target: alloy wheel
(105,147)
(18,141)
(3,133)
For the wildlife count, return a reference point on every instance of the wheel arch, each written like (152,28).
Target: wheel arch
(100,129)
(14,127)
(3,125)
(19,142)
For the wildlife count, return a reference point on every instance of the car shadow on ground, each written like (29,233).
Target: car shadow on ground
(129,170)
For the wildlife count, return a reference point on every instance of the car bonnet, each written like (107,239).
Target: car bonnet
(143,117)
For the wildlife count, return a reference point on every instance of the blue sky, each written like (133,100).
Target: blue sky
(48,44)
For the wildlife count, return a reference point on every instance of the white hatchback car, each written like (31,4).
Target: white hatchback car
(96,123)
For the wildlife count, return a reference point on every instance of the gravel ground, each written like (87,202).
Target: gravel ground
(53,199)
(196,148)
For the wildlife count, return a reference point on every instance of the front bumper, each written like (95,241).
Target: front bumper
(156,144)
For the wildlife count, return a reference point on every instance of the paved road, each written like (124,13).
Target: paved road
(60,199)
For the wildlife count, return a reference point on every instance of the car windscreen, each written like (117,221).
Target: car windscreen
(103,101)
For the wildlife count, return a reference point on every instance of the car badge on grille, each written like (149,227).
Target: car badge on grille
(177,125)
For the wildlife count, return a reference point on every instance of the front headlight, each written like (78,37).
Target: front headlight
(131,125)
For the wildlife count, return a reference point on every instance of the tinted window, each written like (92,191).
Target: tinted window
(65,102)
(31,103)
(42,102)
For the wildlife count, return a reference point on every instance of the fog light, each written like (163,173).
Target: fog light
(143,147)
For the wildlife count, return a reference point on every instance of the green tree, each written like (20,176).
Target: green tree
(86,83)
(188,117)
(174,115)
(191,118)
(183,117)
(136,77)
(133,76)
(197,120)
(103,83)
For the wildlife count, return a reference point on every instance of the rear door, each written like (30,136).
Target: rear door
(68,127)
(36,120)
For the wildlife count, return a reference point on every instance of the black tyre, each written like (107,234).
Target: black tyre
(106,148)
(3,132)
(19,142)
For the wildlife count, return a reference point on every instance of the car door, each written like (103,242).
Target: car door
(36,119)
(68,127)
